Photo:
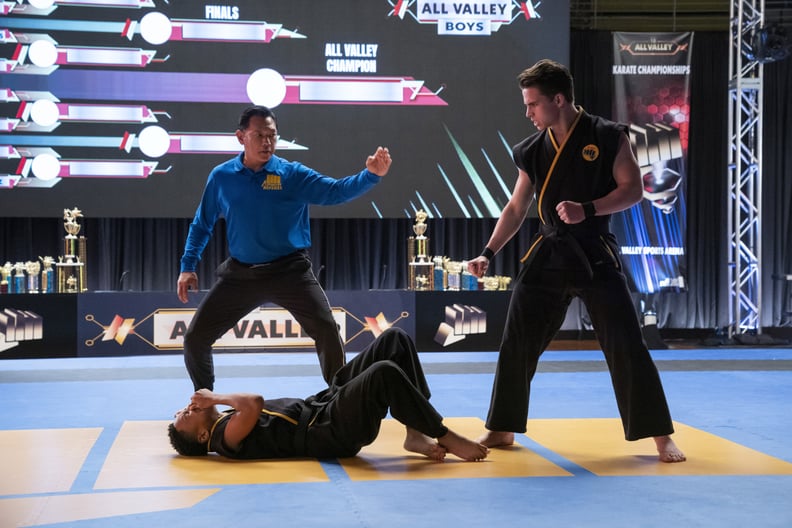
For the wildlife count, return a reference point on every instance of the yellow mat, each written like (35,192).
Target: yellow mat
(598,445)
(43,460)
(35,511)
(386,459)
(49,460)
(142,457)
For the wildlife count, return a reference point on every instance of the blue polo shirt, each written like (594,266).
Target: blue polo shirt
(266,212)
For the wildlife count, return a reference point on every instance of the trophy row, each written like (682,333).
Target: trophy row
(67,275)
(441,273)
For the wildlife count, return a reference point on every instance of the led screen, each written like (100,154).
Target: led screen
(122,107)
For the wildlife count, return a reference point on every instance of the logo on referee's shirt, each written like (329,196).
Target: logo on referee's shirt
(272,183)
(590,152)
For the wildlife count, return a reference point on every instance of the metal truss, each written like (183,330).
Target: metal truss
(745,169)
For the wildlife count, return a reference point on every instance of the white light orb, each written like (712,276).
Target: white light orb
(46,167)
(154,141)
(44,112)
(155,28)
(41,4)
(43,53)
(266,87)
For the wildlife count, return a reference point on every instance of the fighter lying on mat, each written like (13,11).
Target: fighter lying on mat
(336,422)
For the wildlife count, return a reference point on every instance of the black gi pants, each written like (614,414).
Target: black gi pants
(536,312)
(385,376)
(240,288)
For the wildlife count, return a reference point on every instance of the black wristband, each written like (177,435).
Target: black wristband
(589,210)
(487,253)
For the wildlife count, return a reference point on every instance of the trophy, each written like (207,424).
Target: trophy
(69,273)
(19,278)
(75,254)
(469,281)
(47,279)
(33,268)
(454,275)
(420,270)
(491,283)
(5,273)
(440,274)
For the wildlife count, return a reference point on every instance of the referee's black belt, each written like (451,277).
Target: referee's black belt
(279,260)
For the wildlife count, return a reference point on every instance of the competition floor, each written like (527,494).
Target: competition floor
(83,444)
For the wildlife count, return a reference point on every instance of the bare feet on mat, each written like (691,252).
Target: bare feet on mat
(462,447)
(417,442)
(496,439)
(667,450)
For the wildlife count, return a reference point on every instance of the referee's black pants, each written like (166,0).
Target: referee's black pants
(288,282)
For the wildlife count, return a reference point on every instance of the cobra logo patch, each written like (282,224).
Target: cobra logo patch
(590,152)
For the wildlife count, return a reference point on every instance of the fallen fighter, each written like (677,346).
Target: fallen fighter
(335,423)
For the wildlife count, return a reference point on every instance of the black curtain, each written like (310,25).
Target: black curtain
(777,194)
(357,254)
(705,305)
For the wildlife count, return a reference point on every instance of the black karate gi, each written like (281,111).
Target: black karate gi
(340,420)
(565,261)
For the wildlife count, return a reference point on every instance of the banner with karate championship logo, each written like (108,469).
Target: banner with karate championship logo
(651,75)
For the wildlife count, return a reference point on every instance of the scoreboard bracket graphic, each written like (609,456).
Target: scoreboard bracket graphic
(114,103)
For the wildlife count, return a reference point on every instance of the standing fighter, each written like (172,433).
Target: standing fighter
(581,169)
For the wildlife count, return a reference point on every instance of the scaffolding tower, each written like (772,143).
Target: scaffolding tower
(745,169)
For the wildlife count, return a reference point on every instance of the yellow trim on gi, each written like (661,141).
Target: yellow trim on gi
(536,242)
(280,415)
(555,160)
(211,431)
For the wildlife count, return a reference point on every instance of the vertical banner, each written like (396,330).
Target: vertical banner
(651,76)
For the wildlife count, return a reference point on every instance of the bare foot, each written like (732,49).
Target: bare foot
(496,439)
(667,450)
(417,442)
(462,447)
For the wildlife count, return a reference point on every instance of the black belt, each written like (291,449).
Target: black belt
(298,253)
(568,239)
(564,235)
(302,430)
(312,406)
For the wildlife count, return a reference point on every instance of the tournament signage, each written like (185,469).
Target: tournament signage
(140,323)
(651,75)
(261,328)
(467,17)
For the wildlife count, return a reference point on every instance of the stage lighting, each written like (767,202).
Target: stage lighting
(770,44)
